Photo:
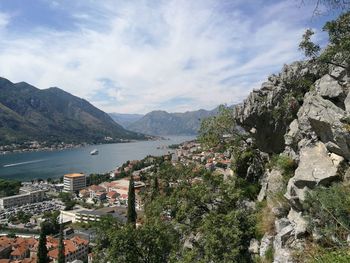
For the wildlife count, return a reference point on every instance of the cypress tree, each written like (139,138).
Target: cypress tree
(155,188)
(42,249)
(61,255)
(132,216)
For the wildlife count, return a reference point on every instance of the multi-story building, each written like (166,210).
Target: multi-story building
(26,197)
(74,182)
(75,249)
(95,215)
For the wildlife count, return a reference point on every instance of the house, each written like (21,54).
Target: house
(75,248)
(20,252)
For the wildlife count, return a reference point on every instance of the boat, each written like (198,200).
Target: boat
(94,152)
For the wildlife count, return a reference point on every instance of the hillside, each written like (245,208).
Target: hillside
(28,113)
(285,197)
(164,123)
(125,119)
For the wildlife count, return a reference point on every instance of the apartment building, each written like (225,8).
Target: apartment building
(26,197)
(74,182)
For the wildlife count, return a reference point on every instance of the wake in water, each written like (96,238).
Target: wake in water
(23,163)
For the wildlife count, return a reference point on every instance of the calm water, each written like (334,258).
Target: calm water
(27,166)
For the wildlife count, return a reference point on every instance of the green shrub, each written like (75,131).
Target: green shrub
(337,256)
(285,164)
(269,254)
(329,214)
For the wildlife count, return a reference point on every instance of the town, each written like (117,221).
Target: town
(79,200)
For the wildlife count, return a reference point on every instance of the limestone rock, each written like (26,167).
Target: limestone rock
(326,120)
(316,167)
(328,87)
(263,111)
(281,223)
(347,103)
(298,222)
(254,246)
(265,243)
(274,183)
(282,252)
(293,134)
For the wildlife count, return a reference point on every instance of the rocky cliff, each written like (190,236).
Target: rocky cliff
(303,113)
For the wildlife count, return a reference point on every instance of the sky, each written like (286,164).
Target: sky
(138,56)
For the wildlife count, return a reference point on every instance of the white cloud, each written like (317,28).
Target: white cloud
(146,47)
(4,20)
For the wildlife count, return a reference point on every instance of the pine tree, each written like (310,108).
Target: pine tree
(42,249)
(131,203)
(61,255)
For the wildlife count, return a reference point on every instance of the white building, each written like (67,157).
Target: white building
(74,182)
(26,198)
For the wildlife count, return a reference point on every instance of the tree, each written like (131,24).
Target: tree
(61,252)
(215,128)
(337,52)
(155,188)
(310,49)
(42,249)
(51,222)
(132,215)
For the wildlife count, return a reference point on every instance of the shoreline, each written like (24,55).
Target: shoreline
(69,146)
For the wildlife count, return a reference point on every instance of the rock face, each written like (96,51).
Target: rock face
(311,126)
(265,110)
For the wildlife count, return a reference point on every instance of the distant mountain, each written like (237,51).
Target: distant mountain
(125,119)
(28,113)
(164,123)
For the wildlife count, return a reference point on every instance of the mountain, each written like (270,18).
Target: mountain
(53,115)
(164,123)
(125,119)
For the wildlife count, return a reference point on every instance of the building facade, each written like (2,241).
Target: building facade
(22,199)
(74,182)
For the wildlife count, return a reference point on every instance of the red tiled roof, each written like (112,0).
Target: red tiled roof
(19,251)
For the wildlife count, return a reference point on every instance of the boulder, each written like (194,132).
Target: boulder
(329,88)
(282,252)
(262,193)
(265,243)
(274,183)
(281,223)
(295,195)
(298,222)
(293,135)
(254,246)
(316,167)
(326,120)
(338,73)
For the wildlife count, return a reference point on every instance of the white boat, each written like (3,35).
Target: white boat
(94,152)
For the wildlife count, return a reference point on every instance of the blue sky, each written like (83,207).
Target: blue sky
(138,56)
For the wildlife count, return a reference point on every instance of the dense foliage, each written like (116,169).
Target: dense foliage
(337,52)
(190,215)
(9,187)
(329,209)
(68,200)
(131,215)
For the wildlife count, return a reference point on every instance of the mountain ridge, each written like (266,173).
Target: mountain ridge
(29,113)
(160,122)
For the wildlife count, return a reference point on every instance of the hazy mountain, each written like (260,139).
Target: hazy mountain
(164,123)
(53,115)
(125,119)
